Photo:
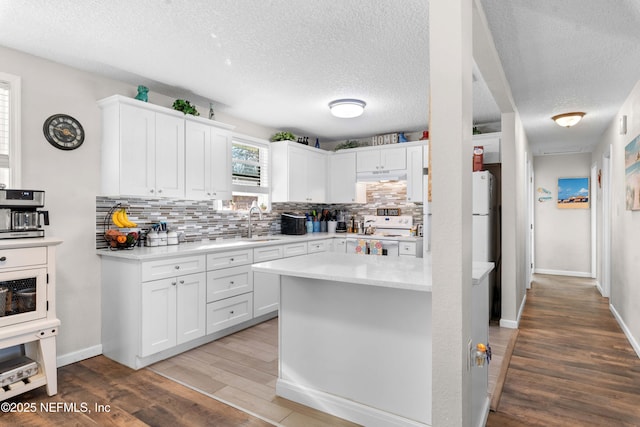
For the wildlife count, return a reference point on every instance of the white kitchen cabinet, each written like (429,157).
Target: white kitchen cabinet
(408,249)
(267,253)
(414,175)
(316,246)
(491,145)
(343,187)
(229,282)
(294,249)
(208,159)
(381,159)
(173,312)
(339,244)
(229,259)
(142,149)
(229,312)
(299,173)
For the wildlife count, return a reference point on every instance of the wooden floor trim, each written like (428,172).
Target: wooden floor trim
(502,376)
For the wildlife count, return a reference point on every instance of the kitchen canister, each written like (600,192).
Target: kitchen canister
(331,226)
(316,226)
(172,238)
(153,239)
(309,225)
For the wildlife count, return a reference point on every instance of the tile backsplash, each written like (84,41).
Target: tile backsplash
(197,220)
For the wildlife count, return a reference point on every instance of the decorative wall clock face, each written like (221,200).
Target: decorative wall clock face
(63,132)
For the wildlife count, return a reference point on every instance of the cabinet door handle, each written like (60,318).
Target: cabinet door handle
(177,267)
(173,283)
(151,190)
(160,190)
(231,259)
(231,312)
(182,282)
(3,258)
(231,282)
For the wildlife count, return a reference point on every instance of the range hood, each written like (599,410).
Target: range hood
(385,175)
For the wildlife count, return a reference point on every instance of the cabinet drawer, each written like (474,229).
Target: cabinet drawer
(22,257)
(340,245)
(318,246)
(408,248)
(228,282)
(164,268)
(229,259)
(295,249)
(267,253)
(228,312)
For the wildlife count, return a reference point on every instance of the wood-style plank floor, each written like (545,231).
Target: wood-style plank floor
(126,398)
(572,365)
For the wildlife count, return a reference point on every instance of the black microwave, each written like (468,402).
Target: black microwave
(293,223)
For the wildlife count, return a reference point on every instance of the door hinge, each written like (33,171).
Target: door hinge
(47,278)
(47,305)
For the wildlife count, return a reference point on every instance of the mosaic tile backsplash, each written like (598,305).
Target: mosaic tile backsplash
(196,219)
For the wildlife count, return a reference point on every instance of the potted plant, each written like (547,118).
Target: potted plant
(283,136)
(185,107)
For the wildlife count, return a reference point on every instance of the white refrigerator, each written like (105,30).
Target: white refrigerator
(483,206)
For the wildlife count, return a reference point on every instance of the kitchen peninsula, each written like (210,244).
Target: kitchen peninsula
(355,336)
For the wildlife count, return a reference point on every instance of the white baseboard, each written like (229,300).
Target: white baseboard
(76,356)
(599,288)
(513,324)
(486,407)
(626,330)
(563,272)
(343,408)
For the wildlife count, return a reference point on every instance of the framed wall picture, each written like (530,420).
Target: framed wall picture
(573,193)
(632,174)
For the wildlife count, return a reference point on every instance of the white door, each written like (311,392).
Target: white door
(137,151)
(481,240)
(220,164)
(342,178)
(368,160)
(481,193)
(158,316)
(266,293)
(198,160)
(298,172)
(169,150)
(317,176)
(414,174)
(393,158)
(191,305)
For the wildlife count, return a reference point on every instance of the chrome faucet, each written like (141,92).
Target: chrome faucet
(253,207)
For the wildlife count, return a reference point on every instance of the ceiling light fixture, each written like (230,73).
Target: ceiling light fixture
(568,119)
(347,108)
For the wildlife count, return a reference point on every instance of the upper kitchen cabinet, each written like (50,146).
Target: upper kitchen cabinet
(381,158)
(491,144)
(208,159)
(414,174)
(299,173)
(142,149)
(342,179)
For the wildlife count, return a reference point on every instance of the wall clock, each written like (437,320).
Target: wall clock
(63,132)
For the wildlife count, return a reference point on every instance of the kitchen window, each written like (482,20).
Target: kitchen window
(250,174)
(9,130)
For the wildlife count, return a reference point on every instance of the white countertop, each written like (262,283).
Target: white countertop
(392,272)
(29,242)
(211,246)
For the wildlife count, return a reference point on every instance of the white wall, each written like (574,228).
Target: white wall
(71,180)
(625,233)
(562,236)
(515,147)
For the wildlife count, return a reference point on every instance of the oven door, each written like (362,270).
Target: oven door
(23,296)
(389,247)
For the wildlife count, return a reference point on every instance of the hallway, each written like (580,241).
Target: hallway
(572,365)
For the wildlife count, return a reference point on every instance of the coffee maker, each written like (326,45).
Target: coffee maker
(19,214)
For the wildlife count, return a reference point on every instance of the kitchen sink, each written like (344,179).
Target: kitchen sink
(261,239)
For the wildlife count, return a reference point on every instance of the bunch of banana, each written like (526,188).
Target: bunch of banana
(121,220)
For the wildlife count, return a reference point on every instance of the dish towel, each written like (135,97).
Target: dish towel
(361,247)
(375,247)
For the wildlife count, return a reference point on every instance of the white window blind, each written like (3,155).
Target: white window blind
(250,167)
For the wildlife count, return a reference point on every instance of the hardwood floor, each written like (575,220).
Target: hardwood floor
(241,370)
(128,398)
(572,364)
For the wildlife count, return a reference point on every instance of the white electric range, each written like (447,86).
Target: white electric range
(390,232)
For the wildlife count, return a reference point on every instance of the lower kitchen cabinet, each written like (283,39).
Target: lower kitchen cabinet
(173,312)
(229,312)
(266,295)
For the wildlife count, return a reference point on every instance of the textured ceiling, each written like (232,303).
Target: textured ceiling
(569,55)
(279,62)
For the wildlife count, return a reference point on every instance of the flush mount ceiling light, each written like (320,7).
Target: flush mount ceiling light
(347,108)
(568,119)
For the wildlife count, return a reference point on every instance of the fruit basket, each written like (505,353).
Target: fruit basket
(127,233)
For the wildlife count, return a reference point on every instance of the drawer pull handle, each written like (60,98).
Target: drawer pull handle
(231,312)
(231,259)
(177,267)
(231,283)
(182,282)
(173,283)
(3,258)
